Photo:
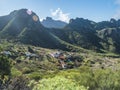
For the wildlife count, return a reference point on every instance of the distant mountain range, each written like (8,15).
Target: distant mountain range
(50,23)
(24,26)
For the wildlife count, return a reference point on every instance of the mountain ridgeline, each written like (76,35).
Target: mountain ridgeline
(50,23)
(25,27)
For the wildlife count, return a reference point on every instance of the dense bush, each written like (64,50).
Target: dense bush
(15,72)
(56,83)
(5,66)
(35,76)
(99,79)
(18,83)
(26,70)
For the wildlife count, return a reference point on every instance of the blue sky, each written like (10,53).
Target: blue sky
(96,10)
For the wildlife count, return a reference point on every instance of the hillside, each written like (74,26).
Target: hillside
(80,32)
(101,37)
(28,67)
(111,36)
(24,26)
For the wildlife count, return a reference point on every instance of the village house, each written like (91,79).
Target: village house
(31,55)
(6,53)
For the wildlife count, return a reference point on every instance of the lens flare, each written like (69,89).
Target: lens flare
(29,12)
(35,18)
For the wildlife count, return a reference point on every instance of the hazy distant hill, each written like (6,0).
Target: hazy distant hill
(50,23)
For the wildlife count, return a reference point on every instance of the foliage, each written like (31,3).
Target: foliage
(18,83)
(5,66)
(26,70)
(15,72)
(56,83)
(35,76)
(100,79)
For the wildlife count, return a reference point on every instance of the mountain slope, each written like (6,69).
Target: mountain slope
(111,36)
(80,32)
(107,24)
(24,26)
(101,37)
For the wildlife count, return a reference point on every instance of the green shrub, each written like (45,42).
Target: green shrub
(5,66)
(99,79)
(18,83)
(15,72)
(56,83)
(107,79)
(26,70)
(35,76)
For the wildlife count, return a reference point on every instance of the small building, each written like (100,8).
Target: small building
(6,53)
(62,64)
(28,54)
(34,55)
(62,57)
(31,55)
(55,54)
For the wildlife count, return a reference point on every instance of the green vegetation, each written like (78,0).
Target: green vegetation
(56,83)
(84,70)
(18,83)
(5,66)
(80,79)
(15,72)
(80,33)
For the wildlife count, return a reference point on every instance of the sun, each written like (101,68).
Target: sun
(35,18)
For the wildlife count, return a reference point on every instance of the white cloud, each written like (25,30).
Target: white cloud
(59,15)
(117,14)
(41,19)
